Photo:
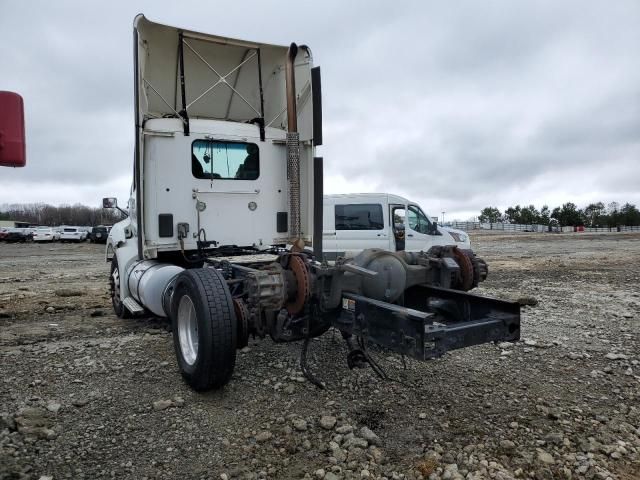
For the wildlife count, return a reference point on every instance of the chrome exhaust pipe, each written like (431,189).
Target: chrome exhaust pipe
(293,146)
(290,79)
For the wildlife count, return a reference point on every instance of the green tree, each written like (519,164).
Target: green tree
(613,214)
(545,215)
(529,215)
(568,215)
(490,215)
(629,215)
(595,214)
(512,214)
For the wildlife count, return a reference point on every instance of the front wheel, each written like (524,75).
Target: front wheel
(204,328)
(114,287)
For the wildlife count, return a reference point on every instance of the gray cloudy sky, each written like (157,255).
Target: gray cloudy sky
(457,105)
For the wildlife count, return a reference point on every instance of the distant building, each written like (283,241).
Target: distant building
(13,224)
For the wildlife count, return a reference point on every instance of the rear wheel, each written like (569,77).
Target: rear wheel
(204,328)
(114,286)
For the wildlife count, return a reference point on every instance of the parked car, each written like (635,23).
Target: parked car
(45,234)
(99,234)
(87,231)
(19,235)
(73,234)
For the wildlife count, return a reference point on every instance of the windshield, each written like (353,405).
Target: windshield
(417,220)
(70,230)
(225,160)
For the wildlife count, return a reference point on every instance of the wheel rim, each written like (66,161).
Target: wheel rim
(115,287)
(188,330)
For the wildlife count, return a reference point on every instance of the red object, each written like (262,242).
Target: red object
(581,228)
(12,139)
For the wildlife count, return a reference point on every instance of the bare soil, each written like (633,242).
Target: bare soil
(84,394)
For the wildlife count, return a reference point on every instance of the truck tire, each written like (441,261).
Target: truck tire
(204,328)
(114,287)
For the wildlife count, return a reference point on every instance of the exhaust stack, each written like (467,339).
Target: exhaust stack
(293,147)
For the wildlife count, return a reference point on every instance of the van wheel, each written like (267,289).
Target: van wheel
(114,286)
(204,328)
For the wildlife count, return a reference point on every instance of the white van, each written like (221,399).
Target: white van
(355,221)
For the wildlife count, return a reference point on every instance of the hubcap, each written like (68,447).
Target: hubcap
(188,330)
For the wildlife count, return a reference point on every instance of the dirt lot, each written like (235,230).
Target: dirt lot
(84,394)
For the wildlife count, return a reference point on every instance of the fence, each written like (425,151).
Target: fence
(622,228)
(507,227)
(516,227)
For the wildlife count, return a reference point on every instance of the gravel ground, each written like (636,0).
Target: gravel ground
(84,394)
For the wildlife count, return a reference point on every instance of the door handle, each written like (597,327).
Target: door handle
(410,235)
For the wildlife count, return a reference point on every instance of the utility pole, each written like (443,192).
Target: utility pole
(443,217)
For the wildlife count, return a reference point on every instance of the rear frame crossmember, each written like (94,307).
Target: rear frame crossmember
(469,320)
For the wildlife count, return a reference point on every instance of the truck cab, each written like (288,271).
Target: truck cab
(356,221)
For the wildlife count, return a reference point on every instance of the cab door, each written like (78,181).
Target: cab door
(417,228)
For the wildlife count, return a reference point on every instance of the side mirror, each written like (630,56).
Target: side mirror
(110,202)
(433,228)
(12,138)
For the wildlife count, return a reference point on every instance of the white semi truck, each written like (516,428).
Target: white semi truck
(224,233)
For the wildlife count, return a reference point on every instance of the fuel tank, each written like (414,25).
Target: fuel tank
(147,280)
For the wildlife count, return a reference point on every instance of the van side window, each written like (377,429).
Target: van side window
(365,216)
(225,160)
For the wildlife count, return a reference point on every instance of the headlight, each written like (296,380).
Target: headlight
(459,237)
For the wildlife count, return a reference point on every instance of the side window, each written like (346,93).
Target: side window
(359,217)
(225,160)
(417,220)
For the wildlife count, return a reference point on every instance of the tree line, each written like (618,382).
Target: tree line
(593,215)
(49,215)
